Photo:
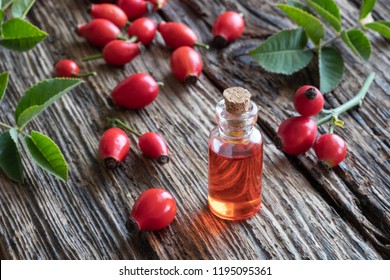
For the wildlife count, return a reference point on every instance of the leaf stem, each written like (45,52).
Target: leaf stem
(93,57)
(125,126)
(18,129)
(357,100)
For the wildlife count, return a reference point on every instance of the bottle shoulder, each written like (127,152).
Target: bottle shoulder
(248,145)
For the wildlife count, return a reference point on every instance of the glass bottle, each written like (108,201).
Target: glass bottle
(235,158)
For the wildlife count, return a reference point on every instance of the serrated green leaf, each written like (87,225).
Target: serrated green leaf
(10,160)
(380,26)
(3,84)
(20,35)
(40,96)
(283,52)
(300,6)
(47,155)
(331,68)
(366,8)
(358,42)
(20,8)
(329,10)
(313,26)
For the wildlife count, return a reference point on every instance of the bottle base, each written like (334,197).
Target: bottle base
(234,211)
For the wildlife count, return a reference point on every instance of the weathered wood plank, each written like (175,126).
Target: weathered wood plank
(305,213)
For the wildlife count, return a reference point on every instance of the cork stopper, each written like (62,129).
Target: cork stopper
(237,100)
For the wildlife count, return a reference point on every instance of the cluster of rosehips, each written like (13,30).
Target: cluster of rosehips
(297,135)
(155,208)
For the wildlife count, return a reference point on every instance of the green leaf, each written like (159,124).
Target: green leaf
(1,18)
(5,3)
(329,10)
(366,8)
(10,160)
(40,96)
(20,8)
(20,35)
(3,84)
(301,6)
(47,155)
(313,26)
(283,52)
(380,26)
(331,68)
(358,42)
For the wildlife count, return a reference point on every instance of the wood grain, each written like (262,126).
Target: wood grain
(306,213)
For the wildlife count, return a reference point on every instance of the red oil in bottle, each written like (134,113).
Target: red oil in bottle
(235,176)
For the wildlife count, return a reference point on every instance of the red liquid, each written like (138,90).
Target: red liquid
(235,174)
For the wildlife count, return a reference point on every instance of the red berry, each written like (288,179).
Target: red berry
(154,146)
(176,35)
(99,32)
(110,12)
(135,8)
(157,4)
(135,92)
(154,209)
(308,101)
(330,149)
(119,52)
(228,27)
(296,135)
(144,29)
(66,68)
(104,1)
(113,147)
(186,64)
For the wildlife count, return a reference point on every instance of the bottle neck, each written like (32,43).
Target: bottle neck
(236,126)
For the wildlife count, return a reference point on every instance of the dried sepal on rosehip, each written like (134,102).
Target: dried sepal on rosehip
(330,149)
(113,147)
(308,101)
(154,209)
(228,27)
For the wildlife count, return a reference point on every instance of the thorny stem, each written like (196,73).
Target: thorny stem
(357,100)
(9,127)
(125,126)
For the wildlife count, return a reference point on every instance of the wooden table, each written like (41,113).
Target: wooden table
(307,213)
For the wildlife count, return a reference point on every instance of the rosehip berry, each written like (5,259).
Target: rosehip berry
(113,147)
(135,92)
(119,53)
(157,4)
(144,29)
(330,149)
(186,64)
(296,135)
(228,27)
(154,209)
(99,32)
(67,68)
(135,8)
(154,146)
(176,35)
(110,12)
(308,101)
(104,1)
